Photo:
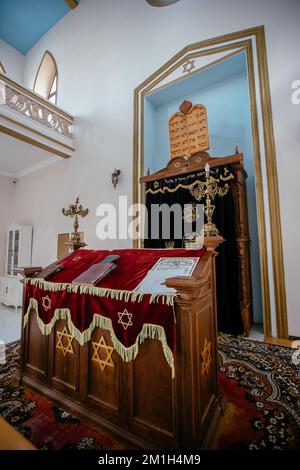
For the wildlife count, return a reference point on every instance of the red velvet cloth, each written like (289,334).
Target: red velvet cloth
(132,267)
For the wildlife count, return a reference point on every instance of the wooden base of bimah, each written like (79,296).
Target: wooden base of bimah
(140,400)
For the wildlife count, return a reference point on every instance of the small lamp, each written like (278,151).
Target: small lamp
(115,177)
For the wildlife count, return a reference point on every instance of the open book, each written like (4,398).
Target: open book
(154,281)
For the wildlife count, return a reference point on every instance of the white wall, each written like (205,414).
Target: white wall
(12,61)
(6,215)
(103,51)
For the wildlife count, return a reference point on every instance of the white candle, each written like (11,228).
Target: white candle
(207,168)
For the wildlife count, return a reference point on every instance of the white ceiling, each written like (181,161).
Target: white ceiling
(18,158)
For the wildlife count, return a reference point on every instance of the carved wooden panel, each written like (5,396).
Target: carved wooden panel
(36,350)
(197,129)
(150,371)
(103,370)
(188,133)
(64,358)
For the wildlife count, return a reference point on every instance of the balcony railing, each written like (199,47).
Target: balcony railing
(23,112)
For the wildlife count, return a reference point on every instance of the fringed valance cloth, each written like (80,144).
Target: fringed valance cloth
(114,305)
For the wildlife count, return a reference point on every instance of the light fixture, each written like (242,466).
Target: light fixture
(115,177)
(161,3)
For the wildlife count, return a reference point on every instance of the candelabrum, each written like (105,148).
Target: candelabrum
(209,189)
(74,211)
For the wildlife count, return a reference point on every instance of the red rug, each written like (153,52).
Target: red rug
(260,382)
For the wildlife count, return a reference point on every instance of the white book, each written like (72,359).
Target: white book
(164,268)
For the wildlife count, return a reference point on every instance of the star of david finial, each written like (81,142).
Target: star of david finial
(65,346)
(46,302)
(108,350)
(206,357)
(127,315)
(188,66)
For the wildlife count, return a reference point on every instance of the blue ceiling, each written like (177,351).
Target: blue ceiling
(24,22)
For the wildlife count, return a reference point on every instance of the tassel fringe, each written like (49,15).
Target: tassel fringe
(127,353)
(124,295)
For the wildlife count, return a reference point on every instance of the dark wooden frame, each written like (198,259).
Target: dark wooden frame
(188,165)
(139,401)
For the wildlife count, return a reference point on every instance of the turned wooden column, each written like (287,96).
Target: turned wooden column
(238,187)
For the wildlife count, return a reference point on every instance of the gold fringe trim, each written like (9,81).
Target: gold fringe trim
(127,353)
(169,190)
(124,295)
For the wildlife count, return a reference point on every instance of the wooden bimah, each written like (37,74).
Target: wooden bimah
(157,389)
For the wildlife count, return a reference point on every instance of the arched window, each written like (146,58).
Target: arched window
(2,69)
(46,78)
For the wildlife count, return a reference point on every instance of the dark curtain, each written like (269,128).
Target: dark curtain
(227,267)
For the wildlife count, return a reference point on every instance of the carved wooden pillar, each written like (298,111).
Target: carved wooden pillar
(238,187)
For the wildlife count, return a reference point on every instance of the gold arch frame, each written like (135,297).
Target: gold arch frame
(241,39)
(38,71)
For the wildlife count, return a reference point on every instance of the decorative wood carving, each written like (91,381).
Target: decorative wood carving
(185,165)
(64,341)
(188,130)
(206,357)
(103,359)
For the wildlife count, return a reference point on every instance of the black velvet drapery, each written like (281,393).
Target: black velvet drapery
(173,190)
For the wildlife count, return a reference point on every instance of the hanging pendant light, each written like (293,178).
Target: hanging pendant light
(161,3)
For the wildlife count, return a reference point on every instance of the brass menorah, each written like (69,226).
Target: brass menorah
(74,211)
(210,189)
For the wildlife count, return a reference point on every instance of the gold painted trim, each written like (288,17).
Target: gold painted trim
(31,141)
(195,55)
(38,98)
(39,133)
(72,3)
(259,196)
(277,253)
(274,204)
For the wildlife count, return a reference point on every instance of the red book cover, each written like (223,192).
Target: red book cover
(95,273)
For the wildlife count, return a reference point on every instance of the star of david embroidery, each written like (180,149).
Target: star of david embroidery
(125,314)
(77,258)
(108,350)
(206,357)
(46,302)
(188,66)
(64,346)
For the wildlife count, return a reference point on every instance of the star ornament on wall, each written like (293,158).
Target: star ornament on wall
(105,361)
(46,302)
(65,340)
(188,66)
(125,319)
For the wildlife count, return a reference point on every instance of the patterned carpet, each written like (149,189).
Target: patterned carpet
(260,382)
(262,386)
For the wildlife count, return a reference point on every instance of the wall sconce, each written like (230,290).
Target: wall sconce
(115,177)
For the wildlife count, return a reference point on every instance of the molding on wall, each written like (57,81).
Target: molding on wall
(232,40)
(72,3)
(37,166)
(6,173)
